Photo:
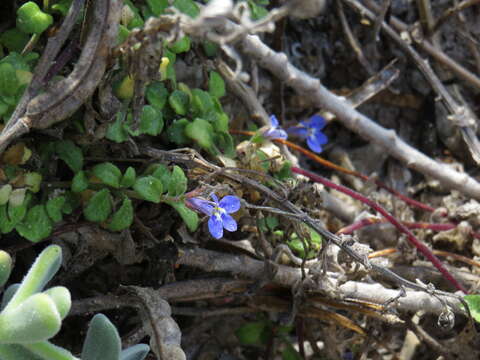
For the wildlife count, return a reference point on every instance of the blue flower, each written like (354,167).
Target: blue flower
(218,212)
(312,131)
(274,131)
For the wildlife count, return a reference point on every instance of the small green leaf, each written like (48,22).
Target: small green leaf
(290,353)
(123,217)
(473,302)
(210,48)
(252,333)
(189,216)
(161,172)
(216,85)
(180,46)
(31,19)
(71,154)
(157,94)
(224,142)
(176,132)
(62,6)
(33,181)
(99,206)
(8,80)
(5,267)
(202,102)
(14,40)
(187,7)
(151,121)
(201,131)
(179,101)
(5,191)
(11,215)
(116,132)
(102,341)
(178,182)
(36,225)
(149,188)
(128,178)
(79,182)
(108,173)
(157,6)
(54,208)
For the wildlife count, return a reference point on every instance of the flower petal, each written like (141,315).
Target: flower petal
(321,138)
(318,122)
(230,204)
(275,134)
(215,226)
(214,197)
(229,222)
(300,131)
(201,205)
(273,121)
(313,144)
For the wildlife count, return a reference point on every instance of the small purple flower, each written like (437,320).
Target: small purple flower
(274,131)
(312,131)
(218,212)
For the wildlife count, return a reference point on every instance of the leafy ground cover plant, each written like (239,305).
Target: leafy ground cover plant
(123,121)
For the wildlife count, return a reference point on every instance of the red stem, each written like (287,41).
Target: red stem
(401,227)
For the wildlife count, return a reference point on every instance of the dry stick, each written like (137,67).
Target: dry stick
(341,169)
(469,77)
(411,225)
(389,251)
(411,238)
(461,115)
(311,88)
(452,11)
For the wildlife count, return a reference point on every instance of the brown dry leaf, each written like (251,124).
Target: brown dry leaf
(14,154)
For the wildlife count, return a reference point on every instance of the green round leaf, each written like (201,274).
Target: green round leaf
(157,6)
(187,7)
(189,216)
(202,102)
(252,333)
(71,154)
(99,206)
(31,19)
(151,121)
(216,85)
(33,181)
(149,188)
(5,191)
(36,225)
(178,182)
(8,80)
(14,40)
(108,173)
(179,102)
(176,132)
(79,182)
(201,131)
(54,208)
(180,46)
(123,217)
(128,178)
(157,94)
(116,132)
